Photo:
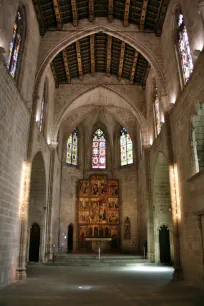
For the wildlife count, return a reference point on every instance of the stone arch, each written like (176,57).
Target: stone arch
(37,199)
(73,103)
(141,43)
(162,214)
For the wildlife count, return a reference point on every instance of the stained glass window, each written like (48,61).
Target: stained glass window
(157,114)
(15,46)
(184,48)
(72,148)
(99,150)
(126,148)
(42,110)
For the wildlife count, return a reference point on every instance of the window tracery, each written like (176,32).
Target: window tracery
(72,148)
(99,150)
(157,114)
(126,148)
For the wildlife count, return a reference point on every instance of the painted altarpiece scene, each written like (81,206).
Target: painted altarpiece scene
(98,213)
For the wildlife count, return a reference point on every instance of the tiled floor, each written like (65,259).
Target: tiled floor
(115,286)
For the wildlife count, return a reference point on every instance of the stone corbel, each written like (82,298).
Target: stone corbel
(2,58)
(53,145)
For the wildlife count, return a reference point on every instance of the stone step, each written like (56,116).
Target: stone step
(92,260)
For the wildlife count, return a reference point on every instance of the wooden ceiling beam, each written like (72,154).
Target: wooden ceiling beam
(134,65)
(91,10)
(39,17)
(109,49)
(109,52)
(143,14)
(92,50)
(66,66)
(122,55)
(110,10)
(57,14)
(126,12)
(79,60)
(161,15)
(54,75)
(74,12)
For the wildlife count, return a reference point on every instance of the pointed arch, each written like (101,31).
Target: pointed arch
(139,42)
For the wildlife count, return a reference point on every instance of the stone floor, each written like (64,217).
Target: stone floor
(116,286)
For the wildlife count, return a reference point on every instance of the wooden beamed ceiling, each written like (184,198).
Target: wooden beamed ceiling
(100,53)
(148,15)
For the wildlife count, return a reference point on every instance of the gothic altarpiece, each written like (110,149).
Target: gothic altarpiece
(98,212)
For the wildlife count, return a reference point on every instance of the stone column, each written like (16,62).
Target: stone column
(23,237)
(149,205)
(49,246)
(199,216)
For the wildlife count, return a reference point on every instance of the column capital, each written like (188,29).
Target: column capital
(53,145)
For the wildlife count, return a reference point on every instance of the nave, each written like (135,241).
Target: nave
(139,285)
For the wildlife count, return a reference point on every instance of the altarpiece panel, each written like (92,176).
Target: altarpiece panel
(98,213)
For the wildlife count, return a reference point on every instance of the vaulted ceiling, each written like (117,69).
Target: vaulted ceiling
(100,53)
(146,14)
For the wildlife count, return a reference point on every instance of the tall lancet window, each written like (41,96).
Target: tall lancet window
(16,45)
(157,114)
(126,148)
(43,109)
(184,48)
(99,150)
(72,148)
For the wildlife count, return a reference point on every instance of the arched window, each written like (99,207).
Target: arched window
(126,148)
(198,137)
(72,148)
(43,109)
(157,115)
(99,150)
(16,45)
(184,48)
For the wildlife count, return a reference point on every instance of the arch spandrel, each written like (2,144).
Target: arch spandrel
(105,96)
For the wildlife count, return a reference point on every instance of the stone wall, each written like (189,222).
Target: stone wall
(15,120)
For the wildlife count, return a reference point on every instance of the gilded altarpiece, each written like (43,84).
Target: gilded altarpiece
(98,212)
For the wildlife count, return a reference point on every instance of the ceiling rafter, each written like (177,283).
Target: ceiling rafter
(100,53)
(91,10)
(143,14)
(92,51)
(126,12)
(122,54)
(134,65)
(66,66)
(161,15)
(79,61)
(54,75)
(57,14)
(39,17)
(110,10)
(109,49)
(74,12)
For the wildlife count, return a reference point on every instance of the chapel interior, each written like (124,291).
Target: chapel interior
(101,135)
